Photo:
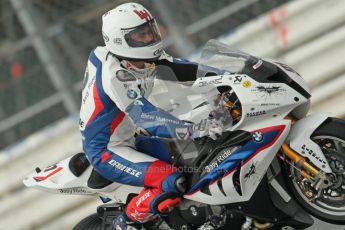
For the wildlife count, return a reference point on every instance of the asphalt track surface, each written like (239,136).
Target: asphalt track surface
(318,225)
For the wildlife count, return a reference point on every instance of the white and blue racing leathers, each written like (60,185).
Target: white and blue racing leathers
(108,132)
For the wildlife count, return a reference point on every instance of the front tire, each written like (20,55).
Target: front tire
(330,206)
(91,222)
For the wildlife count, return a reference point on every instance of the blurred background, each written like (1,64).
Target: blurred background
(44,46)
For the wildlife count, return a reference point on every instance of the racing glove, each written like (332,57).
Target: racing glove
(207,127)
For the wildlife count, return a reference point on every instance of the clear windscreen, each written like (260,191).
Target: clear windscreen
(219,59)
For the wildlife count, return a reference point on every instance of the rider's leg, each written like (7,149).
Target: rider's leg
(164,185)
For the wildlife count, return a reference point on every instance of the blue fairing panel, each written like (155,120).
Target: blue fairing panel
(247,151)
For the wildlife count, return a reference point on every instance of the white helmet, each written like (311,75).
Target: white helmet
(130,32)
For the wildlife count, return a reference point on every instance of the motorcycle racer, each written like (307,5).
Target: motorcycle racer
(118,75)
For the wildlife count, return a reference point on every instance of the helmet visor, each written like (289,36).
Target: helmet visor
(144,35)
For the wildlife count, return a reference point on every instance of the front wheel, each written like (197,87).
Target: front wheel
(91,222)
(330,206)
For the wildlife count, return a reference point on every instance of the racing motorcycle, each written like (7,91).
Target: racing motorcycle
(273,166)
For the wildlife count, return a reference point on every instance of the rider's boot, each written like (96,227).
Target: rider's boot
(122,222)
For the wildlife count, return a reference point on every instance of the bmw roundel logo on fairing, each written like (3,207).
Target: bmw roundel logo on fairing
(132,94)
(258,136)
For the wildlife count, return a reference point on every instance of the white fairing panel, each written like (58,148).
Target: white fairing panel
(292,74)
(251,173)
(58,178)
(259,101)
(300,141)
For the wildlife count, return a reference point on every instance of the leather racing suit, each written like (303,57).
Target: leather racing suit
(108,132)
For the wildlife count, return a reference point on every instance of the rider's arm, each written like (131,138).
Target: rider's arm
(184,70)
(157,121)
(163,124)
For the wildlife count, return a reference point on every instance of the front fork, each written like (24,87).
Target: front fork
(318,178)
(308,171)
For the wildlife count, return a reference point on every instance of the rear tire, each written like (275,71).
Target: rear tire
(328,207)
(91,222)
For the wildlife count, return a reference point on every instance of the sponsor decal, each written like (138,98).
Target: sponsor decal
(258,64)
(312,154)
(246,84)
(142,217)
(270,104)
(81,123)
(137,102)
(268,91)
(88,89)
(124,168)
(143,14)
(132,94)
(133,90)
(238,80)
(86,77)
(124,76)
(258,136)
(224,154)
(118,41)
(142,198)
(251,172)
(255,114)
(128,65)
(76,190)
(106,38)
(214,81)
(254,174)
(182,133)
(193,210)
(160,119)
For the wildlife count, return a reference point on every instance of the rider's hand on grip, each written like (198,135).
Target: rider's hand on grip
(207,127)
